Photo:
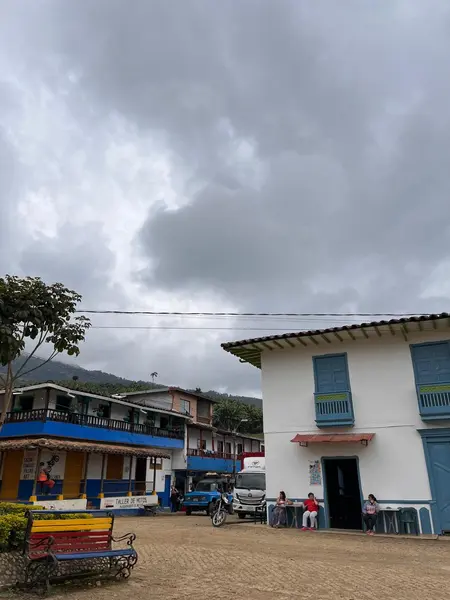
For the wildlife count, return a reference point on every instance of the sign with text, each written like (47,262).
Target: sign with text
(29,465)
(124,502)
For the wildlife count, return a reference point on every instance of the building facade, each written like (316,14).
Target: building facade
(91,447)
(359,410)
(206,449)
(78,449)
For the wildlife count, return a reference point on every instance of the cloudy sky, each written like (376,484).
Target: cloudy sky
(247,155)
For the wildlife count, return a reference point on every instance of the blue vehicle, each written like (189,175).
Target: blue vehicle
(206,495)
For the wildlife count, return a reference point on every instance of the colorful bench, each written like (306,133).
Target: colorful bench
(52,544)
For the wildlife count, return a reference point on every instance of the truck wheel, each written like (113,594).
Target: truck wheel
(241,515)
(188,512)
(211,508)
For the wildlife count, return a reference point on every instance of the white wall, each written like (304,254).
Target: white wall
(195,435)
(179,460)
(159,399)
(392,466)
(247,445)
(160,475)
(95,466)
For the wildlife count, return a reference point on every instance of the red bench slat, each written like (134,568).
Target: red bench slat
(70,541)
(67,534)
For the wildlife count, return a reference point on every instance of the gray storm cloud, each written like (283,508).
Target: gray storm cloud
(308,144)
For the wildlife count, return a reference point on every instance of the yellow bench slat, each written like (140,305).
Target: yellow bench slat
(69,523)
(69,528)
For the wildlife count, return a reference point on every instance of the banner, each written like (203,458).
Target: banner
(124,502)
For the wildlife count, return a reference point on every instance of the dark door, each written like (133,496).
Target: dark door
(141,474)
(343,493)
(440,465)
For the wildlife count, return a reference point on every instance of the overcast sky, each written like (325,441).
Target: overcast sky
(247,155)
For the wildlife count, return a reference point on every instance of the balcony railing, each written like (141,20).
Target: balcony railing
(334,409)
(434,401)
(210,454)
(205,420)
(41,414)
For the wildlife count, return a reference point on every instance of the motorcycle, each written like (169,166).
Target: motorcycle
(223,507)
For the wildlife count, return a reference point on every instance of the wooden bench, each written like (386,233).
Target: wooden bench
(52,544)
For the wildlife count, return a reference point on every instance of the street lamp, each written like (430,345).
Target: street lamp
(234,432)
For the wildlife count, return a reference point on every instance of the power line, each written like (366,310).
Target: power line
(168,327)
(241,314)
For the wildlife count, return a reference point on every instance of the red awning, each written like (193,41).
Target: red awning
(332,438)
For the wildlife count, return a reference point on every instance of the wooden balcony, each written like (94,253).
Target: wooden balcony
(335,409)
(434,401)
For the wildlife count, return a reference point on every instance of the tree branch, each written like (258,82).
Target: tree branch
(38,345)
(51,357)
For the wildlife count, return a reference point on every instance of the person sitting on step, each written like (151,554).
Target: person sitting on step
(371,509)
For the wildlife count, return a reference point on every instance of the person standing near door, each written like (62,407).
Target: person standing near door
(371,509)
(173,499)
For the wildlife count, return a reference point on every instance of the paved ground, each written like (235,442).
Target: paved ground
(185,558)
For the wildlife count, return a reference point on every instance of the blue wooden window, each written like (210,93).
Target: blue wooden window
(431,362)
(331,374)
(332,397)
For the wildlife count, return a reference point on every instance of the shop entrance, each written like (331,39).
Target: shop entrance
(140,475)
(342,493)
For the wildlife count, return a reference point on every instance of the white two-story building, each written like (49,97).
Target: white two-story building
(357,410)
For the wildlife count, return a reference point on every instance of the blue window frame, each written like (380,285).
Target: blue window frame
(332,397)
(331,373)
(431,362)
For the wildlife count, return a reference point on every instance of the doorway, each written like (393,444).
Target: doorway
(12,466)
(140,477)
(73,474)
(342,493)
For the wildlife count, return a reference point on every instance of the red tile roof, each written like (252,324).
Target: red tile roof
(249,350)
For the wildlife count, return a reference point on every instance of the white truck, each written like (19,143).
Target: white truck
(250,486)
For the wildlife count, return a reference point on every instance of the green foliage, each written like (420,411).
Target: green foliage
(36,313)
(101,389)
(13,522)
(228,415)
(243,399)
(13,508)
(12,530)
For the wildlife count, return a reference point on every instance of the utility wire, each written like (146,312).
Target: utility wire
(241,314)
(284,329)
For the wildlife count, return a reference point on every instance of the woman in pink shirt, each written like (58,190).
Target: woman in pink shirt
(279,512)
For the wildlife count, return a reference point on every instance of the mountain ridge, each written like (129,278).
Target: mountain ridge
(62,373)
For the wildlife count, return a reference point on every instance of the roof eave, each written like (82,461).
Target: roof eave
(250,350)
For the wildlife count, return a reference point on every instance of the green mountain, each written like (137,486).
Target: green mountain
(99,382)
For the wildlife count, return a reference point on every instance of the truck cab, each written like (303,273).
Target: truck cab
(250,485)
(205,495)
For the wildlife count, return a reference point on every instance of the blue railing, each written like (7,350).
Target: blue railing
(434,401)
(58,416)
(334,409)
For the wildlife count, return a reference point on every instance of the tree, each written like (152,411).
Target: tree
(229,413)
(153,375)
(34,313)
